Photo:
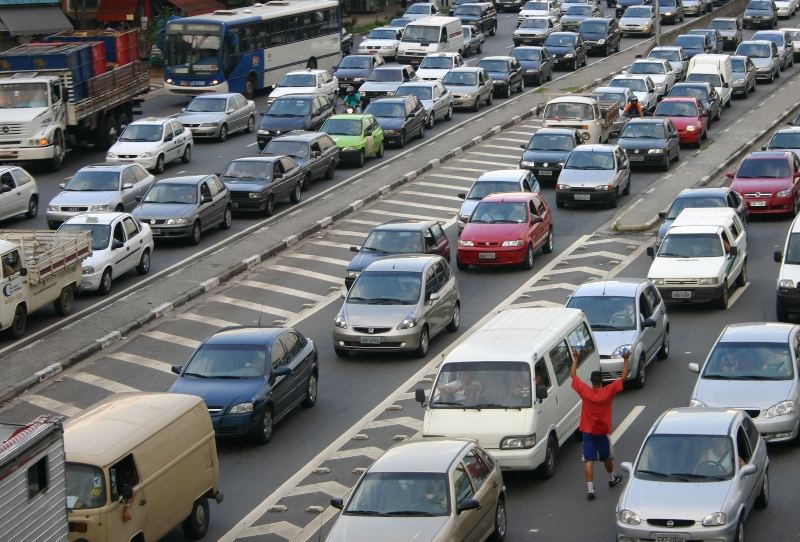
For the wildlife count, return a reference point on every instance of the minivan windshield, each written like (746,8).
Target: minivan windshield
(638,12)
(385,288)
(686,458)
(691,42)
(749,361)
(86,486)
(421,34)
(406,494)
(691,245)
(723,24)
(460,79)
(593,27)
(607,313)
(356,62)
(665,54)
(489,384)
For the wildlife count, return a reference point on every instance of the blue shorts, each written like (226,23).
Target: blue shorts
(596,447)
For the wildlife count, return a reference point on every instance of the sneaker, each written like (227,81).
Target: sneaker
(617,479)
(590,496)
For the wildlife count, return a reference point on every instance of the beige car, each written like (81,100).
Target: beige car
(431,490)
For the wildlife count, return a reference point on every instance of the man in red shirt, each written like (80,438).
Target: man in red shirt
(596,420)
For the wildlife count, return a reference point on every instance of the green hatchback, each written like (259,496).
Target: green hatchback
(358,136)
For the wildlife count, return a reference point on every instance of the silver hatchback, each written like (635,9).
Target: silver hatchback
(398,304)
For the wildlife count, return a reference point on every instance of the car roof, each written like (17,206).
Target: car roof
(666,48)
(421,455)
(391,98)
(405,225)
(691,99)
(696,421)
(186,179)
(771,332)
(299,135)
(724,19)
(307,70)
(245,335)
(757,42)
(570,34)
(393,67)
(413,263)
(601,19)
(306,96)
(555,131)
(219,95)
(693,84)
(502,175)
(109,167)
(393,28)
(418,84)
(495,57)
(259,157)
(789,130)
(693,193)
(766,155)
(508,197)
(650,120)
(351,116)
(95,217)
(619,287)
(467,69)
(449,54)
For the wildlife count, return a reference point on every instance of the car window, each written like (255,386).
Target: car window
(539,204)
(121,474)
(277,354)
(277,169)
(177,128)
(219,184)
(743,447)
(139,172)
(478,470)
(438,232)
(644,306)
(580,338)
(431,282)
(204,191)
(288,163)
(734,230)
(213,188)
(326,142)
(751,431)
(7,179)
(131,227)
(291,344)
(128,177)
(561,360)
(11,263)
(462,485)
(652,298)
(541,373)
(732,203)
(486,458)
(442,276)
(315,147)
(21,177)
(428,236)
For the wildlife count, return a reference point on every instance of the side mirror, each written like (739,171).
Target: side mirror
(695,368)
(176,369)
(462,195)
(127,186)
(281,371)
(651,251)
(116,243)
(777,256)
(354,249)
(541,392)
(419,396)
(126,492)
(337,503)
(183,110)
(649,322)
(763,148)
(523,147)
(368,133)
(627,466)
(206,199)
(168,137)
(262,114)
(662,214)
(747,470)
(468,504)
(434,296)
(730,174)
(535,219)
(23,272)
(734,251)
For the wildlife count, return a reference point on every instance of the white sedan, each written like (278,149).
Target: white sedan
(659,70)
(120,243)
(381,41)
(152,143)
(19,193)
(306,81)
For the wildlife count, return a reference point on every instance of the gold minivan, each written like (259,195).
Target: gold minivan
(139,464)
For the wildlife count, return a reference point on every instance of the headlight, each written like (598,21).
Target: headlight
(408,322)
(562,187)
(629,517)
(263,132)
(691,128)
(111,154)
(340,321)
(514,243)
(694,403)
(655,151)
(465,243)
(52,207)
(620,350)
(511,443)
(350,149)
(715,520)
(601,41)
(99,207)
(783,283)
(781,409)
(568,55)
(708,281)
(353,274)
(146,155)
(359,79)
(241,408)
(211,125)
(657,282)
(784,193)
(738,82)
(88,270)
(176,221)
(527,164)
(254,195)
(605,187)
(668,14)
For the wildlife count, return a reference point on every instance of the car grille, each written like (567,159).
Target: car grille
(12,129)
(238,195)
(681,282)
(74,209)
(611,375)
(187,125)
(550,165)
(671,522)
(758,195)
(382,346)
(430,79)
(155,221)
(580,189)
(127,155)
(372,330)
(487,244)
(753,413)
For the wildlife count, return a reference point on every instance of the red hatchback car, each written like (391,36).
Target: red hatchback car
(688,116)
(768,180)
(506,229)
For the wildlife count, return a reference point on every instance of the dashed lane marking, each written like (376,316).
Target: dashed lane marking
(51,404)
(432,195)
(737,294)
(282,289)
(348,233)
(364,222)
(512,139)
(170,338)
(443,185)
(316,258)
(331,244)
(498,155)
(446,176)
(149,363)
(307,273)
(100,382)
(487,163)
(402,215)
(258,307)
(626,423)
(412,204)
(462,168)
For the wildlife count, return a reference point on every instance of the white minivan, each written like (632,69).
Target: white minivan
(430,35)
(508,386)
(716,70)
(788,284)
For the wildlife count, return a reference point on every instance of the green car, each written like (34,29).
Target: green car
(359,136)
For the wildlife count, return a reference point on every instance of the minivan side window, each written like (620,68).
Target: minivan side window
(542,376)
(562,362)
(580,338)
(122,474)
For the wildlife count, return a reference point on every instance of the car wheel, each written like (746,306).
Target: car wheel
(780,313)
(265,427)
(614,199)
(159,164)
(194,237)
(422,131)
(550,244)
(251,125)
(431,121)
(424,343)
(527,263)
(186,157)
(663,352)
(63,304)
(741,280)
(297,193)
(380,152)
(227,219)
(269,207)
(33,207)
(249,88)
(311,391)
(449,115)
(105,282)
(306,182)
(548,468)
(20,322)
(59,154)
(763,498)
(195,526)
(500,522)
(362,158)
(402,141)
(739,536)
(665,165)
(455,321)
(722,302)
(490,98)
(521,87)
(480,48)
(223,132)
(144,263)
(331,171)
(477,105)
(508,91)
(574,64)
(641,374)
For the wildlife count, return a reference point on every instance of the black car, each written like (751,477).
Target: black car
(509,5)
(760,13)
(256,183)
(705,94)
(536,62)
(546,151)
(621,5)
(314,150)
(567,49)
(649,142)
(713,35)
(506,74)
(294,112)
(600,35)
(398,237)
(353,70)
(694,44)
(482,16)
(401,117)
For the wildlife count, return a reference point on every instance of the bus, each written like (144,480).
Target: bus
(250,48)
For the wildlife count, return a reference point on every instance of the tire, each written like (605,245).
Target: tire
(296,194)
(641,374)
(105,282)
(63,304)
(186,157)
(741,280)
(195,526)
(477,105)
(311,391)
(614,200)
(144,263)
(424,343)
(402,142)
(663,352)
(521,87)
(197,233)
(449,115)
(549,245)
(53,225)
(269,208)
(340,352)
(119,208)
(266,425)
(431,121)
(330,172)
(422,131)
(159,167)
(508,91)
(20,322)
(455,322)
(381,151)
(223,133)
(110,131)
(665,165)
(739,536)
(59,153)
(490,98)
(527,263)
(306,182)
(722,302)
(227,219)
(250,88)
(361,159)
(251,125)
(500,525)
(548,468)
(627,190)
(780,314)
(762,501)
(33,207)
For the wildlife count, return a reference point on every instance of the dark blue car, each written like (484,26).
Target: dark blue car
(250,378)
(294,112)
(547,150)
(353,70)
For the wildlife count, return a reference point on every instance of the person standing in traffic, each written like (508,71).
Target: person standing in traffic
(596,420)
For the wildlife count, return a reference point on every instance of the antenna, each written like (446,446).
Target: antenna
(260,314)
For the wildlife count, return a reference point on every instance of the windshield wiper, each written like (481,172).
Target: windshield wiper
(693,476)
(373,249)
(198,375)
(603,327)
(284,115)
(490,405)
(387,301)
(671,255)
(653,473)
(409,513)
(364,512)
(446,403)
(165,202)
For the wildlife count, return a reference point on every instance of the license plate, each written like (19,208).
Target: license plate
(486,256)
(670,538)
(758,204)
(681,294)
(545,173)
(582,197)
(635,158)
(234,205)
(370,340)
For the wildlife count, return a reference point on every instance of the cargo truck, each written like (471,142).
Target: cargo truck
(593,119)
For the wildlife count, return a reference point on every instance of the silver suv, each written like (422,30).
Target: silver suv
(398,304)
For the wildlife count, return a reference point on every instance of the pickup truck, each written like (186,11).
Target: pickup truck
(39,268)
(593,119)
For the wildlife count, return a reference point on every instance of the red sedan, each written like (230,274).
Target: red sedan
(688,116)
(768,180)
(506,229)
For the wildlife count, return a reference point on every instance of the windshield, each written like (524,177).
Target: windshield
(777,39)
(437,62)
(356,62)
(289,107)
(394,242)
(535,23)
(665,55)
(481,189)
(422,34)
(749,361)
(192,53)
(691,245)
(607,313)
(638,12)
(473,11)
(689,91)
(593,27)
(643,130)
(298,80)
(254,170)
(423,93)
(382,34)
(607,97)
(647,68)
(723,25)
(100,233)
(419,9)
(94,181)
(634,84)
(590,160)
(537,6)
(495,212)
(86,486)
(228,361)
(406,494)
(142,132)
(738,65)
(207,105)
(686,458)
(759,5)
(768,168)
(385,288)
(559,40)
(581,11)
(754,50)
(690,42)
(386,109)
(491,384)
(497,66)
(460,79)
(171,193)
(297,149)
(22,95)
(710,78)
(548,142)
(792,255)
(386,76)
(566,111)
(785,140)
(527,54)
(347,127)
(691,203)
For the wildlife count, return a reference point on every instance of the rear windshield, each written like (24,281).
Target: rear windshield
(690,42)
(647,68)
(754,50)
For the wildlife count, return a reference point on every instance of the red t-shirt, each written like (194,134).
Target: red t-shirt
(596,410)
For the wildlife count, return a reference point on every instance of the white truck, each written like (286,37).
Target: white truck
(593,119)
(54,121)
(33,488)
(39,267)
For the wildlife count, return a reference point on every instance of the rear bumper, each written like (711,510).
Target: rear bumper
(697,294)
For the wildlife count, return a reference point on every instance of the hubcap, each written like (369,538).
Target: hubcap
(642,371)
(550,241)
(456,316)
(267,428)
(423,341)
(228,217)
(501,519)
(200,515)
(146,261)
(312,389)
(106,280)
(196,231)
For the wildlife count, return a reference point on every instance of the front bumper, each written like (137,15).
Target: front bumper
(532,75)
(643,158)
(248,204)
(90,283)
(789,299)
(784,12)
(23,154)
(543,173)
(770,206)
(520,459)
(698,533)
(690,293)
(492,256)
(684,136)
(464,102)
(636,29)
(350,155)
(611,368)
(410,58)
(527,40)
(587,197)
(162,231)
(762,22)
(693,9)
(147,163)
(205,131)
(394,340)
(778,428)
(762,75)
(235,425)
(499,86)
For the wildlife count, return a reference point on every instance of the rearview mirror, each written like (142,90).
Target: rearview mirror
(176,369)
(462,195)
(763,148)
(777,256)
(662,214)
(62,185)
(368,132)
(281,371)
(468,504)
(419,396)
(730,174)
(694,367)
(434,296)
(354,249)
(541,392)
(168,137)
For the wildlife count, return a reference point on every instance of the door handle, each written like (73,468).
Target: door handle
(142,502)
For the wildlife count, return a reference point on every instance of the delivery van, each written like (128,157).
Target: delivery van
(138,465)
(430,35)
(716,70)
(508,386)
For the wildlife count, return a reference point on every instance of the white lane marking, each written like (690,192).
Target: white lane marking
(488,163)
(258,307)
(502,147)
(142,361)
(100,382)
(330,244)
(557,286)
(253,144)
(51,404)
(284,529)
(281,289)
(316,258)
(626,423)
(518,132)
(431,195)
(372,452)
(446,176)
(307,273)
(539,303)
(498,155)
(412,204)
(170,338)
(364,222)
(444,185)
(348,233)
(737,294)
(462,168)
(208,320)
(402,215)
(512,139)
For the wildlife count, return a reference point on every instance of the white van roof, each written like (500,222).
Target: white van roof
(703,216)
(516,335)
(435,20)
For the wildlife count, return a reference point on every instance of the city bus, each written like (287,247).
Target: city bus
(250,48)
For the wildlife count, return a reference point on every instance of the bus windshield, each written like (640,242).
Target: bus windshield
(188,53)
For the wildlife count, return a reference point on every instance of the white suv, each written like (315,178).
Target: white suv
(152,142)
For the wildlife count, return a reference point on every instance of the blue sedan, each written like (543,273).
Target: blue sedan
(250,378)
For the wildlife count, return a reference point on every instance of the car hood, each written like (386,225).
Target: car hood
(462,89)
(725,33)
(84,198)
(658,78)
(343,141)
(133,147)
(240,186)
(379,43)
(594,36)
(391,529)
(468,18)
(608,341)
(200,117)
(642,96)
(641,143)
(493,232)
(361,260)
(487,426)
(359,315)
(283,91)
(163,210)
(545,156)
(635,20)
(379,87)
(654,499)
(585,177)
(573,18)
(349,73)
(468,207)
(761,61)
(745,394)
(681,268)
(760,185)
(530,64)
(391,123)
(533,13)
(220,392)
(499,76)
(283,123)
(559,50)
(530,31)
(432,73)
(758,12)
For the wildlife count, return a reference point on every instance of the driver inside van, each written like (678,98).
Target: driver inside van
(465,389)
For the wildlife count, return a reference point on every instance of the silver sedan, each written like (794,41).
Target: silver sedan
(434,97)
(219,115)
